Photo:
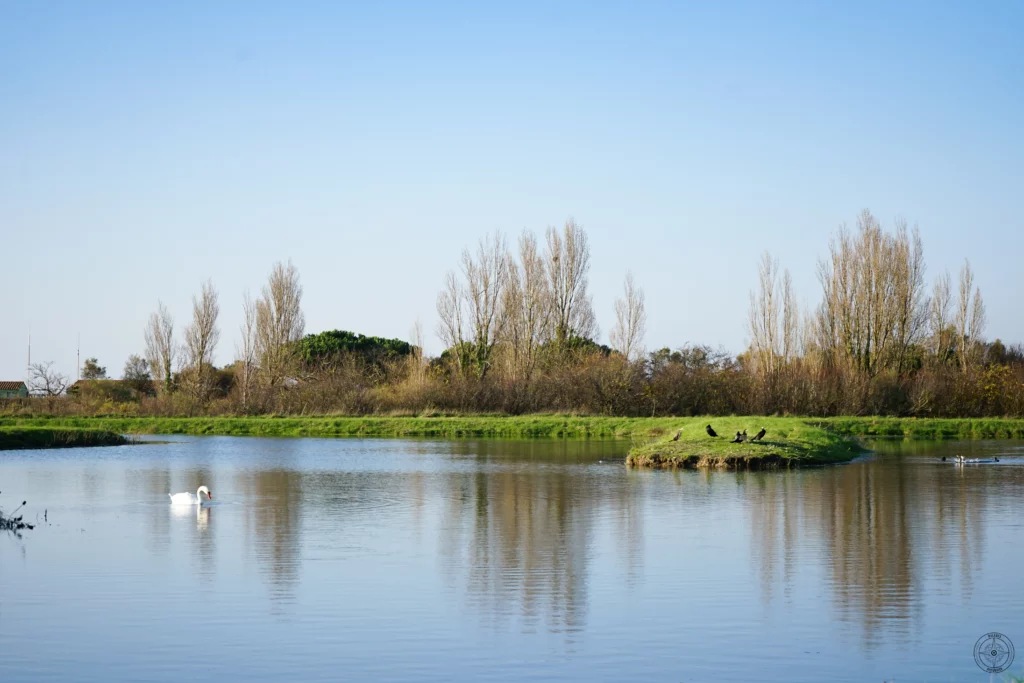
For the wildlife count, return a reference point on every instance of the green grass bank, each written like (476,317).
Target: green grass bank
(19,438)
(524,426)
(512,427)
(927,428)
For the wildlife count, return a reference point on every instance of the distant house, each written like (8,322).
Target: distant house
(13,390)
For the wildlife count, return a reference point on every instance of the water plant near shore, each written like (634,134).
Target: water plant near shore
(14,524)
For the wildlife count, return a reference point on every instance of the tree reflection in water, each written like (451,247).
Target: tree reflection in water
(881,529)
(273,526)
(155,483)
(518,528)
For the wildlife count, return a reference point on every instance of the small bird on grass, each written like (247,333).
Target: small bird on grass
(710,431)
(676,437)
(759,435)
(739,438)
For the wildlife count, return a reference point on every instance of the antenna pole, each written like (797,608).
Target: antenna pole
(78,359)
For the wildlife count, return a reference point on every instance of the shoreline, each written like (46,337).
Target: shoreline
(790,441)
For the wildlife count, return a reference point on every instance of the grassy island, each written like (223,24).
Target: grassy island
(19,438)
(788,442)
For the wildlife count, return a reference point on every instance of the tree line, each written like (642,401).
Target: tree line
(520,335)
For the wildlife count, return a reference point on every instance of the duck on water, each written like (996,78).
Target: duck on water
(961,460)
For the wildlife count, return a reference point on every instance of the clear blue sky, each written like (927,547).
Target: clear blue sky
(147,146)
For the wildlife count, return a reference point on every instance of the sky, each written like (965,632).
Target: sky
(146,147)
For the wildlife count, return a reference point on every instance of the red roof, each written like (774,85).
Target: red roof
(11,386)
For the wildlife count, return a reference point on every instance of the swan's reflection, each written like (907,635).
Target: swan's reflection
(200,539)
(200,512)
(202,517)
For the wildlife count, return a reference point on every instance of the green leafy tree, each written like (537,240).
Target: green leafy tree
(315,348)
(93,370)
(136,374)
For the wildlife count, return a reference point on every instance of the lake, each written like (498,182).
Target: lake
(424,560)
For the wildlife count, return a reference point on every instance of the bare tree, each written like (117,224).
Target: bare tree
(568,263)
(630,321)
(908,298)
(279,322)
(245,351)
(525,308)
(940,318)
(970,318)
(470,309)
(43,380)
(977,319)
(764,316)
(201,338)
(485,275)
(417,368)
(872,307)
(160,346)
(774,319)
(792,345)
(450,327)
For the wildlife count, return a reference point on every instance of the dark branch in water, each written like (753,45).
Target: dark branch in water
(15,524)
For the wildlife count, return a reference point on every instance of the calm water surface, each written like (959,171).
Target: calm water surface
(388,560)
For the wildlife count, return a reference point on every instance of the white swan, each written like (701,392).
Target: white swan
(190,499)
